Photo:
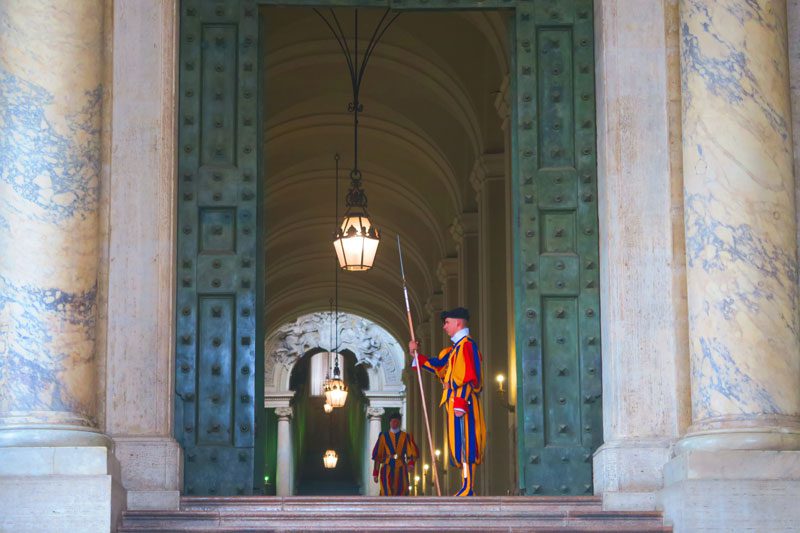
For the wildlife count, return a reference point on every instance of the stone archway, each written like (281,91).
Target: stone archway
(374,348)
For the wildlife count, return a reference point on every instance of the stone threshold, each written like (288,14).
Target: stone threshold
(357,513)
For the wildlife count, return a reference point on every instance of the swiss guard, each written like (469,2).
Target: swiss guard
(394,454)
(459,369)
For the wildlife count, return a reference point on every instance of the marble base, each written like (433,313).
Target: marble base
(151,471)
(59,489)
(731,490)
(629,474)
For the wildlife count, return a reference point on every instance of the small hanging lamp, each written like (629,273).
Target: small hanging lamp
(327,408)
(334,388)
(330,459)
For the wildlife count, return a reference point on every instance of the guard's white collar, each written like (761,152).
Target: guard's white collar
(460,334)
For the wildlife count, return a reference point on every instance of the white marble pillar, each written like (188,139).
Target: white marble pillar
(374,415)
(51,102)
(285,466)
(741,245)
(488,178)
(642,283)
(51,67)
(740,453)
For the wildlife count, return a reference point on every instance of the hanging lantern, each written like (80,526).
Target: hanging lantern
(327,408)
(335,389)
(356,242)
(330,459)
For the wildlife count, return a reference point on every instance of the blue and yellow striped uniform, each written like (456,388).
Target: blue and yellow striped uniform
(395,453)
(459,369)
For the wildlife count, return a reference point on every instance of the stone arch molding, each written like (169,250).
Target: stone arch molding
(373,346)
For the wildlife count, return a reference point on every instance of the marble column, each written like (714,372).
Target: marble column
(374,417)
(740,453)
(285,466)
(642,254)
(51,99)
(741,246)
(51,66)
(489,181)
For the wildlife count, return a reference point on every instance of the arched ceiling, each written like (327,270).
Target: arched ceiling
(429,113)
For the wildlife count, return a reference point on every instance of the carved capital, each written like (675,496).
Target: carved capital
(375,413)
(284,413)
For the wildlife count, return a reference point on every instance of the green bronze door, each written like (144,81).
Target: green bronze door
(556,255)
(218,334)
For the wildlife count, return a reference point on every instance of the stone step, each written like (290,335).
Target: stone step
(355,513)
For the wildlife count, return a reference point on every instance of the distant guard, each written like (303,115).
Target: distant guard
(458,367)
(394,455)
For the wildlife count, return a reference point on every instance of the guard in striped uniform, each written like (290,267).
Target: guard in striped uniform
(458,367)
(394,455)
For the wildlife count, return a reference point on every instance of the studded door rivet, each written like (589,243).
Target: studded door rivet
(587,428)
(532,341)
(558,199)
(219,67)
(185,368)
(245,283)
(591,340)
(560,340)
(217,176)
(245,263)
(189,397)
(216,229)
(186,339)
(188,429)
(215,398)
(187,282)
(245,312)
(217,196)
(562,428)
(560,265)
(534,459)
(564,459)
(562,372)
(186,311)
(589,265)
(534,400)
(534,372)
(245,370)
(216,283)
(562,401)
(189,93)
(560,313)
(590,312)
(186,263)
(530,313)
(216,263)
(245,341)
(559,284)
(244,428)
(187,149)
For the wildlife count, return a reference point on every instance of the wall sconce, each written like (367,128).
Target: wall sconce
(501,379)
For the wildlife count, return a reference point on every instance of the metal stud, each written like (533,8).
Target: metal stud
(530,313)
(216,342)
(534,459)
(534,400)
(216,311)
(186,339)
(562,400)
(216,283)
(245,342)
(562,428)
(245,370)
(560,313)
(562,372)
(532,341)
(216,370)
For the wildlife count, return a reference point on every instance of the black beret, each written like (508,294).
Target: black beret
(396,415)
(458,312)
